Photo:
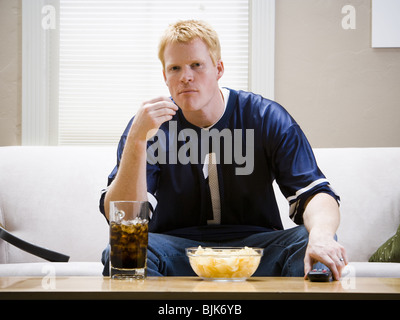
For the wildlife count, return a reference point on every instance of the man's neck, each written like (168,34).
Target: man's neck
(208,115)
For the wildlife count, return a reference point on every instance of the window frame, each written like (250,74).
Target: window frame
(40,45)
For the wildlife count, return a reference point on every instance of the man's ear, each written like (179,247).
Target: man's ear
(220,69)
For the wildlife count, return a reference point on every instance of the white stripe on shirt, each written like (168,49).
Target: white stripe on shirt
(305,189)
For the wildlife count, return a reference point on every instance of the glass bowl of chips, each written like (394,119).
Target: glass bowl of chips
(224,263)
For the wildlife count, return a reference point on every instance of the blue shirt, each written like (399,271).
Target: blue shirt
(257,142)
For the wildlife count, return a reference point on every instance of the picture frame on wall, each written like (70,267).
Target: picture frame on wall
(385,21)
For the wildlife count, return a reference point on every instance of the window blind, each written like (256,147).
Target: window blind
(108,61)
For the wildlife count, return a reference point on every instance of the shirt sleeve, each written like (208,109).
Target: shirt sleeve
(295,167)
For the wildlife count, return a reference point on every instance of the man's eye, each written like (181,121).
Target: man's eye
(196,65)
(174,68)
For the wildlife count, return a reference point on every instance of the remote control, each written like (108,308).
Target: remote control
(320,275)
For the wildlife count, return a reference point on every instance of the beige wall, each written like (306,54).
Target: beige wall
(342,92)
(10,72)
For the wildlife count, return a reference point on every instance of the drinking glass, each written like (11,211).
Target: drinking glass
(128,239)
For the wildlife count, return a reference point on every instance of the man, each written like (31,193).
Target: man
(163,158)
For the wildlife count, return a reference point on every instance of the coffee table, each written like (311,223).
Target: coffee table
(193,288)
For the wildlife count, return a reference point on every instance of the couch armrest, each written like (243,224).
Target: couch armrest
(41,252)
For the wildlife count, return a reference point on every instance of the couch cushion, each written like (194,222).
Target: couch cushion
(57,269)
(367,180)
(389,251)
(372,269)
(50,197)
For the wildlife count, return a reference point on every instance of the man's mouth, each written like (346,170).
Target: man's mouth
(187,91)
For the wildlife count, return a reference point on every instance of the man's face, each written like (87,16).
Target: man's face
(191,76)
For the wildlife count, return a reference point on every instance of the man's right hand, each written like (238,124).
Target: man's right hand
(150,116)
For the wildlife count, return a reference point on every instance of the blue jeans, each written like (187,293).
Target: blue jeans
(284,252)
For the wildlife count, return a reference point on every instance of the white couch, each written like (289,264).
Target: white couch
(49,196)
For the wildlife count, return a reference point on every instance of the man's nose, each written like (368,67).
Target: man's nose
(187,75)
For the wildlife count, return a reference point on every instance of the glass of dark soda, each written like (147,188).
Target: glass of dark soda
(128,239)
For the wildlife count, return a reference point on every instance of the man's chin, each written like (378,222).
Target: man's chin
(187,106)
